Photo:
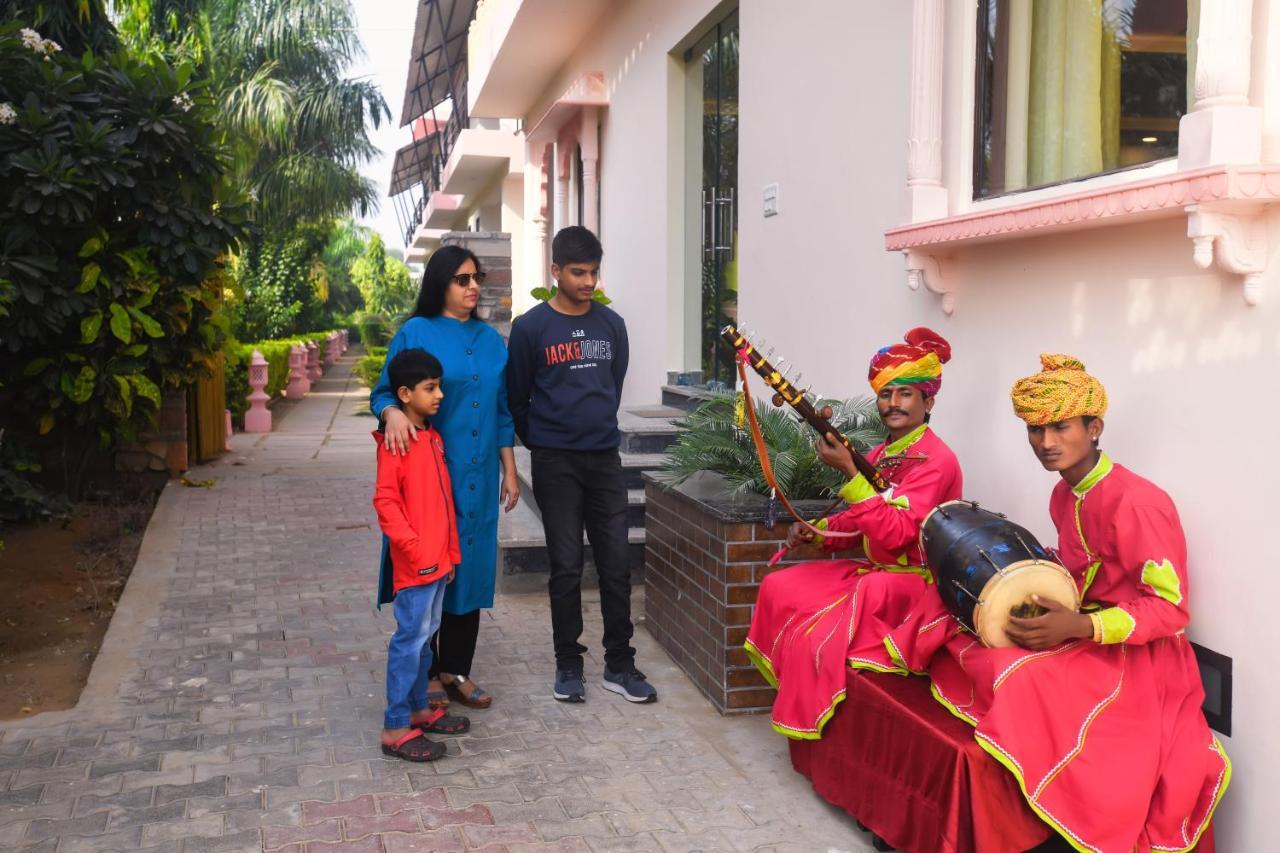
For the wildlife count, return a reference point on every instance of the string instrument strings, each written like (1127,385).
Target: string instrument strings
(787,392)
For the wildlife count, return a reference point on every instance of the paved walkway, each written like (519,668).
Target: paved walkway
(236,703)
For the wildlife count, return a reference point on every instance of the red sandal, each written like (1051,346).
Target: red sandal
(414,747)
(440,723)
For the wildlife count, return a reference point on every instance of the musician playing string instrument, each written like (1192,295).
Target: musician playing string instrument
(1098,715)
(814,619)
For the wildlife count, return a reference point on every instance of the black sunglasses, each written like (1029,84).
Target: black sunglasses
(465,279)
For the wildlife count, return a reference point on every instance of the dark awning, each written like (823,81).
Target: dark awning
(414,163)
(438,56)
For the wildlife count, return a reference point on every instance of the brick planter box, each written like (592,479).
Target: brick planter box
(705,555)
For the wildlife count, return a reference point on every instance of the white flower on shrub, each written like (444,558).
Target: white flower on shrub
(8,115)
(32,41)
(183,102)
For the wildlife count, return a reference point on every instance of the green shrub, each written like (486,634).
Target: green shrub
(276,353)
(713,441)
(369,368)
(375,329)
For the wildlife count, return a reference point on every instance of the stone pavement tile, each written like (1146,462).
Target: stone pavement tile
(349,788)
(310,775)
(637,824)
(477,815)
(641,843)
(38,830)
(277,797)
(592,826)
(110,767)
(498,794)
(478,836)
(192,757)
(537,790)
(129,818)
(314,812)
(215,787)
(127,840)
(202,826)
(548,809)
(447,840)
(143,779)
(280,836)
(241,783)
(371,844)
(27,796)
(359,827)
(57,792)
(248,841)
(262,818)
(47,811)
(221,805)
(36,775)
(69,755)
(564,845)
(432,798)
(710,841)
(731,819)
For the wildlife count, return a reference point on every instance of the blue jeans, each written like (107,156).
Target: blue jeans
(417,610)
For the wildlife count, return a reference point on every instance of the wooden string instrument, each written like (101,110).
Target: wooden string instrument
(786,392)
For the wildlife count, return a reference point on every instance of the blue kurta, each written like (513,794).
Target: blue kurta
(475,423)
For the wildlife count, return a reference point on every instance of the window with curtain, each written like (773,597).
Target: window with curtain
(1067,89)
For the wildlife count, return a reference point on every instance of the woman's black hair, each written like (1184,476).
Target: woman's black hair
(442,266)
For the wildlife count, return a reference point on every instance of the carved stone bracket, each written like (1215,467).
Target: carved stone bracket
(1236,238)
(930,270)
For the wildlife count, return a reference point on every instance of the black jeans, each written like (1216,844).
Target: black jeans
(576,489)
(454,645)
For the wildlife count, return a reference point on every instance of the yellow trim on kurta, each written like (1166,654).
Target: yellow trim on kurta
(762,663)
(816,734)
(1117,625)
(1163,578)
(857,490)
(903,444)
(1100,470)
(821,524)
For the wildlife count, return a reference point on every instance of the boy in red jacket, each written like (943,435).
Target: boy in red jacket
(415,510)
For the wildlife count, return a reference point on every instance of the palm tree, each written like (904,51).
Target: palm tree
(296,123)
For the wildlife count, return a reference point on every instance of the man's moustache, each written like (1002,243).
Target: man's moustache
(888,412)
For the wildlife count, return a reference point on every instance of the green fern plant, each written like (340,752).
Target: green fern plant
(712,441)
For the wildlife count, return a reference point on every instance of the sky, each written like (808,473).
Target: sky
(386,30)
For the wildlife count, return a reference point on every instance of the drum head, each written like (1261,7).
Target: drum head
(1014,586)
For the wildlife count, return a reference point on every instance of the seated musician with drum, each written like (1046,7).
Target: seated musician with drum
(1098,713)
(814,619)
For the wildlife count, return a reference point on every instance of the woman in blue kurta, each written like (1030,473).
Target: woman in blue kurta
(478,435)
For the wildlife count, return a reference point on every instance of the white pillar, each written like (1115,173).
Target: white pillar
(589,139)
(1222,127)
(562,183)
(927,197)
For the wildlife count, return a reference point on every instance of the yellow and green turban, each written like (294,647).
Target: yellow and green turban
(1060,391)
(917,362)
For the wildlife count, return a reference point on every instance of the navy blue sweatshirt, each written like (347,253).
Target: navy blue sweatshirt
(564,377)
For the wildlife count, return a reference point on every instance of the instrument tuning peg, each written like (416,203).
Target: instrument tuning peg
(796,380)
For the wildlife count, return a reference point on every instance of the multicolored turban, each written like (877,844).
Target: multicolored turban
(1062,390)
(917,362)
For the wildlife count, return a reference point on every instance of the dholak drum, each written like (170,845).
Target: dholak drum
(987,569)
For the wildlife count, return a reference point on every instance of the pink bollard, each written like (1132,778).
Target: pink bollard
(346,339)
(335,348)
(314,372)
(257,418)
(326,353)
(299,385)
(226,443)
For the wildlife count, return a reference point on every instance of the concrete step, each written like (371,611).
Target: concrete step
(684,397)
(522,553)
(648,429)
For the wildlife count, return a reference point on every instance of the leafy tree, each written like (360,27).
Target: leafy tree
(347,242)
(115,215)
(383,281)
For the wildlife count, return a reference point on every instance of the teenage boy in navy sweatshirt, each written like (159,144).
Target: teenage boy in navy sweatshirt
(567,361)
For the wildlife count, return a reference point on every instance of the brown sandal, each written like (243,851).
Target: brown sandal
(436,695)
(414,747)
(477,697)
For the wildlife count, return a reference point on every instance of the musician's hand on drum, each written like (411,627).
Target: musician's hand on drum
(833,453)
(1056,626)
(798,535)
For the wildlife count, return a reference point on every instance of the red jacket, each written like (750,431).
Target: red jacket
(414,501)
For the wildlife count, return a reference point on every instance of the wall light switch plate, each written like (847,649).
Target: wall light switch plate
(771,200)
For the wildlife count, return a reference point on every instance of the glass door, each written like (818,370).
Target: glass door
(713,146)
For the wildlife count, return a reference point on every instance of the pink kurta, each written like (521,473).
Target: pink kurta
(814,619)
(1107,740)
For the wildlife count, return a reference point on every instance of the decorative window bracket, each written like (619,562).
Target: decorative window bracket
(935,273)
(1234,235)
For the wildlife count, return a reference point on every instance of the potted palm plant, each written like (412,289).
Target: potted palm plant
(711,529)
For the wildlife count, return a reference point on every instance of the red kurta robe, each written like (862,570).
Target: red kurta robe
(814,619)
(1107,741)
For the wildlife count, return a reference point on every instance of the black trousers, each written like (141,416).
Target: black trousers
(577,489)
(454,646)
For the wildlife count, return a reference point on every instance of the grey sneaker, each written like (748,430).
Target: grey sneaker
(569,686)
(629,684)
